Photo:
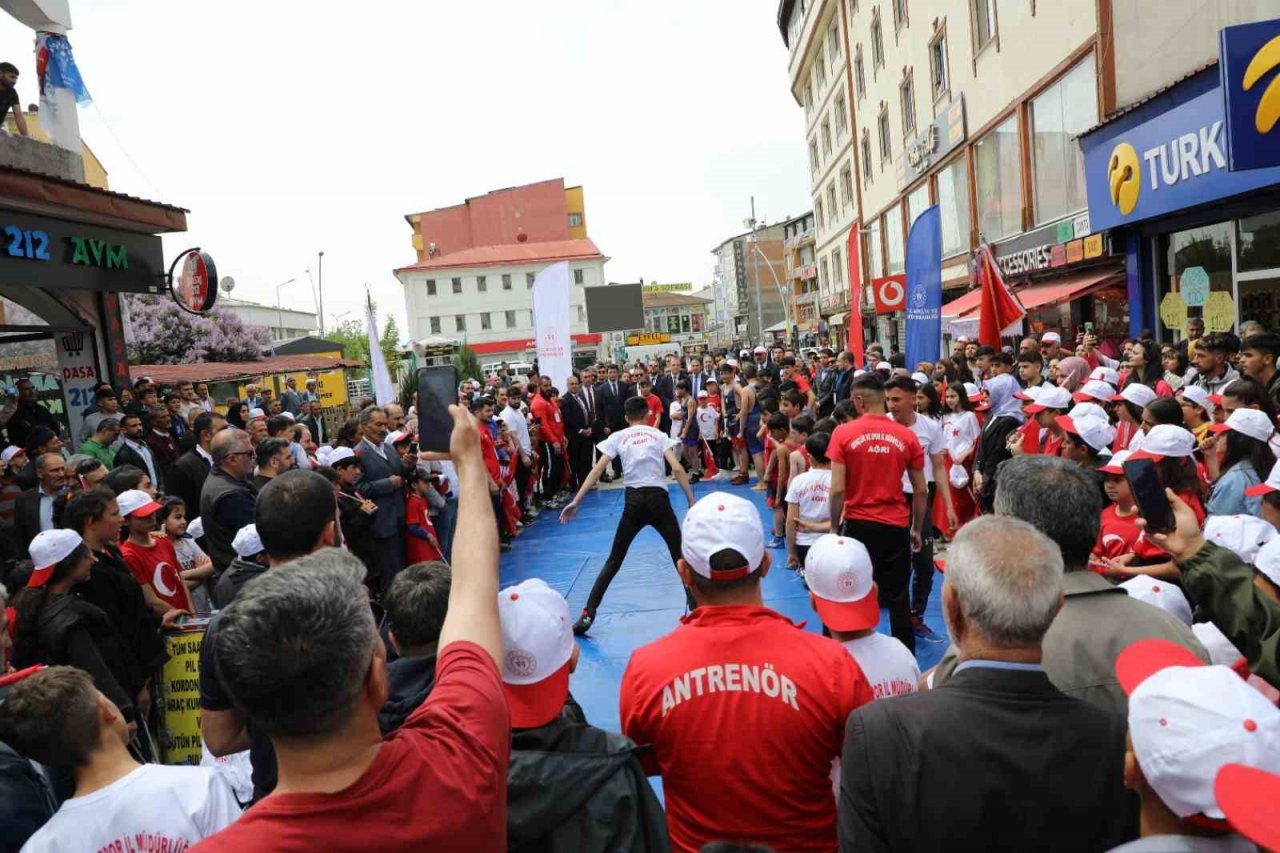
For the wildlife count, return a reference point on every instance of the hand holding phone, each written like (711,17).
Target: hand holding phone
(1148,494)
(437,391)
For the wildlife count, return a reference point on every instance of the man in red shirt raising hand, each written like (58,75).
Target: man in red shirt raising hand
(744,710)
(869,456)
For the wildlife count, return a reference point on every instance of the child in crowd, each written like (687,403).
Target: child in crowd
(777,451)
(1118,533)
(12,460)
(800,460)
(195,566)
(807,501)
(152,559)
(653,401)
(707,417)
(57,718)
(1197,411)
(421,544)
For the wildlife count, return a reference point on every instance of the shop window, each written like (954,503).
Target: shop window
(875,256)
(893,240)
(999,177)
(917,203)
(1259,243)
(953,204)
(1207,247)
(1064,110)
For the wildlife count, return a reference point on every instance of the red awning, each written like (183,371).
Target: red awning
(518,344)
(1053,292)
(964,304)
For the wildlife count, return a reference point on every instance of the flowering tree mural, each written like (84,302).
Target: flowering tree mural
(157,331)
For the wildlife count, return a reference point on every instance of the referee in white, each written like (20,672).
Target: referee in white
(645,452)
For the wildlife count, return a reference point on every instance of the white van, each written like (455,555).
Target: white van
(514,368)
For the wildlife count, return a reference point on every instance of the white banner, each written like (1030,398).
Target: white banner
(551,323)
(383,391)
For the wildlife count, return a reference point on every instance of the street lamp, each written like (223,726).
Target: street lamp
(279,310)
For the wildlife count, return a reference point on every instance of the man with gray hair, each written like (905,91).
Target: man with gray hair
(227,498)
(381,481)
(299,654)
(1098,619)
(1051,754)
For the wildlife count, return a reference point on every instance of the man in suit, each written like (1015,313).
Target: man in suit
(698,377)
(665,387)
(28,415)
(191,469)
(382,481)
(824,383)
(313,420)
(134,450)
(227,498)
(33,510)
(291,400)
(613,393)
(843,378)
(577,430)
(1060,759)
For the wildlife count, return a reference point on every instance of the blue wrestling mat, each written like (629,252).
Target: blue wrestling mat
(645,600)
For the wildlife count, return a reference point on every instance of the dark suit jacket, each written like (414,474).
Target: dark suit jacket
(126,455)
(375,484)
(573,410)
(26,519)
(316,425)
(186,479)
(610,404)
(698,382)
(993,760)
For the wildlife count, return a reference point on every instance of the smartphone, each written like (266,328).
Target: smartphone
(437,391)
(1148,493)
(1088,328)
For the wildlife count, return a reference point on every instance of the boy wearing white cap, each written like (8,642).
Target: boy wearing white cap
(744,710)
(564,773)
(838,572)
(1186,722)
(250,561)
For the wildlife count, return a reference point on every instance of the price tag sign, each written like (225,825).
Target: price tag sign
(1219,312)
(1195,286)
(1173,312)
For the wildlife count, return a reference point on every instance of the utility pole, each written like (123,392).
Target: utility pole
(755,274)
(320,292)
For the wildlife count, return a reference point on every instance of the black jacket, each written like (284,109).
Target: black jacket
(992,450)
(27,417)
(573,408)
(26,802)
(409,682)
(572,786)
(72,632)
(993,760)
(824,389)
(186,479)
(112,588)
(610,404)
(126,455)
(26,519)
(239,573)
(357,530)
(226,505)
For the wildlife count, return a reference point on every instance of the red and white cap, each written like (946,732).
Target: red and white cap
(1166,440)
(1094,389)
(973,392)
(1137,393)
(1272,484)
(1051,397)
(257,415)
(838,572)
(722,522)
(400,436)
(1247,796)
(1244,534)
(1220,649)
(1251,422)
(1267,560)
(1115,465)
(760,351)
(537,643)
(1168,597)
(6,455)
(1106,374)
(1188,720)
(48,548)
(136,502)
(338,454)
(1095,432)
(1080,411)
(1197,395)
(247,543)
(1031,393)
(1051,338)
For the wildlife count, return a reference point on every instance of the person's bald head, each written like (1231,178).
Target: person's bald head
(232,452)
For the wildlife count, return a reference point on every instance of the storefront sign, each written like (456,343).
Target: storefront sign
(807,272)
(1249,64)
(648,339)
(932,143)
(78,369)
(1195,286)
(38,251)
(1219,312)
(178,696)
(1173,312)
(668,288)
(194,281)
(740,271)
(1173,161)
(889,293)
(1041,249)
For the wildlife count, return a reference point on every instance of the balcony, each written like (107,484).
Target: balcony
(805,236)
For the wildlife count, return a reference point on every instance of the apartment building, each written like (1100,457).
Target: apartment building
(802,278)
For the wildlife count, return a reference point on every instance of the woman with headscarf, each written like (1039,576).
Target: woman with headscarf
(1004,416)
(235,414)
(1072,373)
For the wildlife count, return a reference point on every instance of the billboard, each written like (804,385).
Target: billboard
(615,308)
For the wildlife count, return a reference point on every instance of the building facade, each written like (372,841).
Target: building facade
(477,261)
(283,323)
(751,298)
(802,278)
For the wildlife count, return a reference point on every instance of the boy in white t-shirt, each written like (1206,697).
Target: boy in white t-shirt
(838,572)
(808,504)
(57,717)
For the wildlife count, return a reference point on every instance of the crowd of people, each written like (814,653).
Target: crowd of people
(1106,686)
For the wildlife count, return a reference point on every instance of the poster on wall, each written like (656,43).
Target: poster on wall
(78,370)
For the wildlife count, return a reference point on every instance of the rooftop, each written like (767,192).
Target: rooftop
(510,255)
(40,191)
(659,299)
(224,371)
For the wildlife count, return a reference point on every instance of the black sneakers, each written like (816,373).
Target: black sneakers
(583,625)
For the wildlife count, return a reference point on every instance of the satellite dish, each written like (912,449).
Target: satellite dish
(227,284)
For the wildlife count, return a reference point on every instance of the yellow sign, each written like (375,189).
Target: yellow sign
(1093,246)
(179,698)
(648,339)
(1219,312)
(1264,61)
(1173,312)
(331,385)
(1125,178)
(1075,251)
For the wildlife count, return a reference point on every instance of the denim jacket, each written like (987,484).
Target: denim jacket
(1227,496)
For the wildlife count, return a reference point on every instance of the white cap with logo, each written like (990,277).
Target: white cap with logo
(1244,534)
(247,543)
(722,522)
(1251,422)
(838,572)
(1168,597)
(537,642)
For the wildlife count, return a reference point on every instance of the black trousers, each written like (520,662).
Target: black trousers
(552,472)
(579,458)
(922,567)
(644,507)
(522,481)
(890,550)
(391,559)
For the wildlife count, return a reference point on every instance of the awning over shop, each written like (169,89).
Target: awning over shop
(963,305)
(961,315)
(778,327)
(838,319)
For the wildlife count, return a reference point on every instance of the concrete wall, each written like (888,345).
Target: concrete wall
(1158,43)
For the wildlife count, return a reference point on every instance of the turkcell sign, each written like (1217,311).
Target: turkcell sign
(1249,69)
(1174,161)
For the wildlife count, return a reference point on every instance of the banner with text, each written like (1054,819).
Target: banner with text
(551,323)
(924,288)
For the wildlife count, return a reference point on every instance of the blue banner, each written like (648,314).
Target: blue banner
(1249,62)
(924,288)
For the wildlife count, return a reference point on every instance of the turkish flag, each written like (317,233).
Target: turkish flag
(854,255)
(711,469)
(999,309)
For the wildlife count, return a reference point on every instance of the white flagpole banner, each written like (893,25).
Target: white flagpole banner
(551,323)
(383,391)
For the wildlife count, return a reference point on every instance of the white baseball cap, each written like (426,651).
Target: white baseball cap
(6,455)
(1094,432)
(973,392)
(1272,484)
(1197,395)
(323,454)
(247,543)
(760,351)
(1244,534)
(732,362)
(195,528)
(1051,338)
(1088,410)
(962,340)
(920,378)
(722,522)
(1164,440)
(838,572)
(1106,374)
(1051,397)
(1032,392)
(1188,720)
(1168,597)
(48,548)
(1250,422)
(537,642)
(1115,465)
(1137,393)
(1094,389)
(1267,560)
(257,414)
(136,502)
(1221,650)
(339,454)
(884,365)
(287,415)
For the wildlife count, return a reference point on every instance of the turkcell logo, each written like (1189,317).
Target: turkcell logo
(1249,67)
(1189,156)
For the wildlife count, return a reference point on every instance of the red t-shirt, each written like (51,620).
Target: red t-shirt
(1053,445)
(1148,551)
(438,783)
(549,413)
(1030,432)
(876,452)
(1118,534)
(418,550)
(745,712)
(654,402)
(489,453)
(158,567)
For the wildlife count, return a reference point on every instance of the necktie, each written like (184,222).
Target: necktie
(591,405)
